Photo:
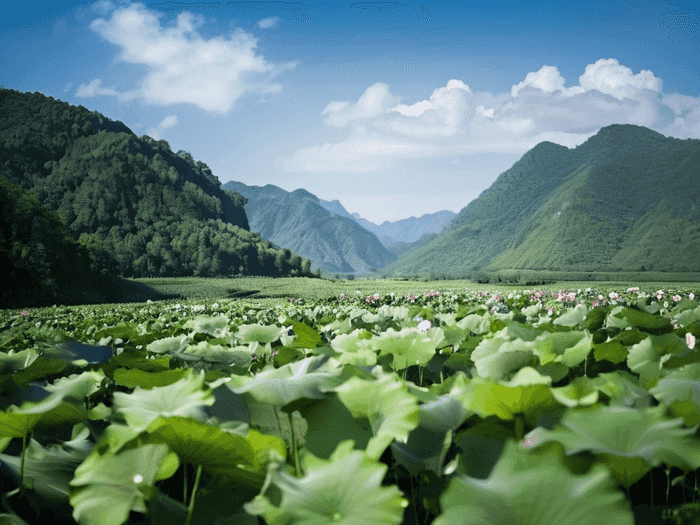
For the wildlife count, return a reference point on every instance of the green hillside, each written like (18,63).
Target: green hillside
(297,221)
(155,212)
(41,262)
(625,200)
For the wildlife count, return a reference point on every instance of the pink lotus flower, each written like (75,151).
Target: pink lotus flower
(690,340)
(676,298)
(342,296)
(613,296)
(424,326)
(691,296)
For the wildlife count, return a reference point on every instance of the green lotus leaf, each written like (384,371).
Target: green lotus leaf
(646,322)
(408,346)
(476,324)
(48,470)
(185,398)
(579,392)
(687,317)
(216,325)
(621,387)
(612,351)
(133,377)
(526,393)
(353,348)
(568,348)
(257,333)
(572,317)
(392,412)
(223,454)
(13,361)
(627,435)
(305,379)
(169,344)
(443,414)
(77,387)
(212,353)
(323,497)
(305,336)
(529,489)
(495,357)
(109,486)
(680,390)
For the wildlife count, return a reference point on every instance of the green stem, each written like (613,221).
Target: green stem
(668,485)
(184,483)
(519,427)
(420,375)
(21,468)
(190,508)
(295,451)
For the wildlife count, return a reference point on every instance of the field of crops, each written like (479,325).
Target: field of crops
(385,405)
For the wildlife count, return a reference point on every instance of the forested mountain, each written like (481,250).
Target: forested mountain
(132,201)
(404,231)
(626,199)
(297,221)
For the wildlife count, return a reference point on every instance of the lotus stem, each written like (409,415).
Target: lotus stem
(190,508)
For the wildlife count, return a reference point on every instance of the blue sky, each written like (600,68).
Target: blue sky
(397,109)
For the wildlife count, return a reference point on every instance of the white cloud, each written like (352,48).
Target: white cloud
(267,23)
(612,78)
(94,89)
(456,121)
(182,66)
(374,102)
(167,123)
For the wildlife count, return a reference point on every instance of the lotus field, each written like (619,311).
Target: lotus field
(457,407)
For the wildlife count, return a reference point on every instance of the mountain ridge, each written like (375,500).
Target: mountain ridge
(296,220)
(581,209)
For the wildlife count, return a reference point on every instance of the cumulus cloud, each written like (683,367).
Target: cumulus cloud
(267,23)
(167,123)
(94,89)
(181,65)
(457,121)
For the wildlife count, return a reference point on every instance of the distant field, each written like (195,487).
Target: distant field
(257,288)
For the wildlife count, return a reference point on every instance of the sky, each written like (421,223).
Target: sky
(396,109)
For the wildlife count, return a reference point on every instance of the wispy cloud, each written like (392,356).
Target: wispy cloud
(167,123)
(181,65)
(267,23)
(455,120)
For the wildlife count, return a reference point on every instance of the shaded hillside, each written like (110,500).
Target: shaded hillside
(405,230)
(626,199)
(157,213)
(42,264)
(297,221)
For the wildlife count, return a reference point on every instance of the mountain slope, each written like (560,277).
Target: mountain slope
(626,199)
(297,221)
(405,230)
(154,212)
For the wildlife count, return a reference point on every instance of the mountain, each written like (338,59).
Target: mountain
(627,199)
(405,230)
(297,221)
(132,202)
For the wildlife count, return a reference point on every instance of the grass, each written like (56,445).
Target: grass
(256,288)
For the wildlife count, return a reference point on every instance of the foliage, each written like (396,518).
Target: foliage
(624,200)
(155,212)
(528,406)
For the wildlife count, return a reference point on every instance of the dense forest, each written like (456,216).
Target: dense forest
(133,204)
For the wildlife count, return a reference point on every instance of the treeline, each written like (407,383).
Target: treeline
(41,263)
(135,206)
